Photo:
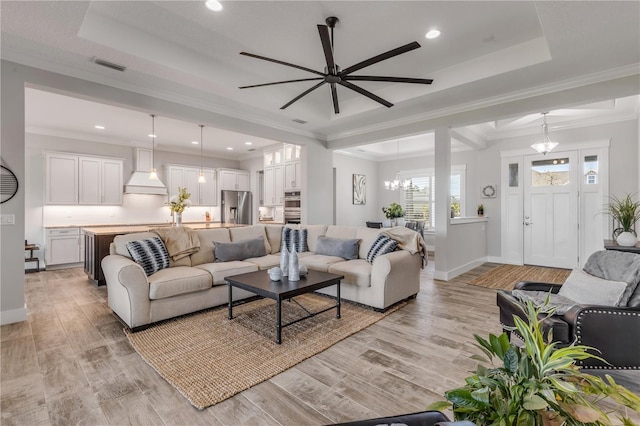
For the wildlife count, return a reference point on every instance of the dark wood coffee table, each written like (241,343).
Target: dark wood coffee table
(259,283)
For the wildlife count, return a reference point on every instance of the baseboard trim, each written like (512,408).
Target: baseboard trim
(14,315)
(495,259)
(447,275)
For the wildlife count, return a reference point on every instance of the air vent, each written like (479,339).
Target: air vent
(251,150)
(297,120)
(108,64)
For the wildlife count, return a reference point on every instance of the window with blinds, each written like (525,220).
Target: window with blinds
(419,199)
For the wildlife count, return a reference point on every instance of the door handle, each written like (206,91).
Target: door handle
(528,223)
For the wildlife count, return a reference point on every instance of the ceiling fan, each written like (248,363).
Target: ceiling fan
(333,75)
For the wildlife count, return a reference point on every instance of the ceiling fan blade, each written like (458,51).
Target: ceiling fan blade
(280,82)
(365,93)
(328,49)
(306,92)
(334,95)
(389,79)
(381,57)
(264,58)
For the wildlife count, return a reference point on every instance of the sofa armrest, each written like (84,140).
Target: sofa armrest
(127,290)
(537,286)
(397,274)
(614,331)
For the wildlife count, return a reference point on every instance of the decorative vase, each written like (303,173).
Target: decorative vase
(177,219)
(294,270)
(626,239)
(275,273)
(284,261)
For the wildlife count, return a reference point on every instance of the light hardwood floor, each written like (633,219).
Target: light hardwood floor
(70,363)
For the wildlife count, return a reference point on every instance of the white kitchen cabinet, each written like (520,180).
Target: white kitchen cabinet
(292,174)
(234,180)
(88,180)
(61,178)
(100,181)
(274,186)
(63,246)
(292,152)
(273,157)
(202,194)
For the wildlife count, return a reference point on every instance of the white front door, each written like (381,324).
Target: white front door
(551,210)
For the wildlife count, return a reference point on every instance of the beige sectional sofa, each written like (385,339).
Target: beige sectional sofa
(197,282)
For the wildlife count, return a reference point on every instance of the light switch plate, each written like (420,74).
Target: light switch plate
(7,219)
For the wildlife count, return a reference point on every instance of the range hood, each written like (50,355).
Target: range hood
(139,182)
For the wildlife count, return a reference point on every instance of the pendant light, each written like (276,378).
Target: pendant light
(201,178)
(545,145)
(396,184)
(153,175)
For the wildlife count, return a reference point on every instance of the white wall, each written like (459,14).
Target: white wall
(317,188)
(623,160)
(348,213)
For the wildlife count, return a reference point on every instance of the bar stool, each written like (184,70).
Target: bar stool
(30,248)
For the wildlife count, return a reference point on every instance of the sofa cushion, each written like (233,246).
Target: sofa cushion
(274,235)
(207,237)
(242,233)
(586,289)
(342,231)
(179,280)
(120,241)
(313,232)
(225,269)
(149,253)
(382,245)
(239,250)
(265,262)
(344,248)
(368,237)
(356,272)
(318,262)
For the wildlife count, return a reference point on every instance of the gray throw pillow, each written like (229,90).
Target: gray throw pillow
(586,289)
(344,248)
(240,250)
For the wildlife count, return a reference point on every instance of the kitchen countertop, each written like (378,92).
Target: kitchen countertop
(128,229)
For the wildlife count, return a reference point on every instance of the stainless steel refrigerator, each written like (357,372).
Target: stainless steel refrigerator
(236,207)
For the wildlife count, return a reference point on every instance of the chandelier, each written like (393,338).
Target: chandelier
(545,145)
(394,185)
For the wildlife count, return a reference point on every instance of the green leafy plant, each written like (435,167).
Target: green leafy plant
(394,211)
(179,202)
(625,211)
(480,210)
(538,384)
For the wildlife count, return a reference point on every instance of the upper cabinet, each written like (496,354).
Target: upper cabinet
(234,180)
(273,157)
(202,194)
(76,179)
(292,152)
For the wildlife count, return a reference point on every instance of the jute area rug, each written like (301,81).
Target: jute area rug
(209,358)
(504,277)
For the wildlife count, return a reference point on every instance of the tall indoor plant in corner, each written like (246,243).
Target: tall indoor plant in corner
(625,213)
(538,384)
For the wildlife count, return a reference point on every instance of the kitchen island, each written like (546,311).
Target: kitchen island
(98,238)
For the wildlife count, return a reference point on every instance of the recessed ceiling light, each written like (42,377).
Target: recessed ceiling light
(229,148)
(248,143)
(99,127)
(214,5)
(432,34)
(152,136)
(195,142)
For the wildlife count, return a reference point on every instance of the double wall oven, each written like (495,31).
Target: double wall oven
(292,207)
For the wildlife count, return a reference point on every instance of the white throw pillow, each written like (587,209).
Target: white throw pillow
(586,289)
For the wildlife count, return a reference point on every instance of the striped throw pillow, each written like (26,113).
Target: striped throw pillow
(151,254)
(382,245)
(294,240)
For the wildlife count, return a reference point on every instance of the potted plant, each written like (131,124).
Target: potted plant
(178,203)
(480,210)
(393,212)
(538,384)
(625,213)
